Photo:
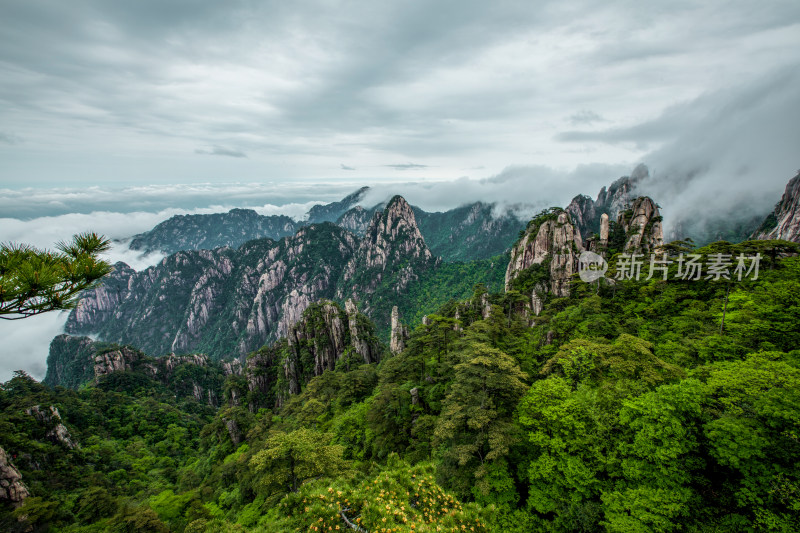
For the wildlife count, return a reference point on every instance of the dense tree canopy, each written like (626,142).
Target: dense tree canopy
(624,407)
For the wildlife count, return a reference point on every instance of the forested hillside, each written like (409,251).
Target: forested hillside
(649,405)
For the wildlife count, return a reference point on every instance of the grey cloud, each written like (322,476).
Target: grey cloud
(9,138)
(585,116)
(734,154)
(345,167)
(220,150)
(298,87)
(406,166)
(524,189)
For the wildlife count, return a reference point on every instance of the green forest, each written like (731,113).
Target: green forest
(629,406)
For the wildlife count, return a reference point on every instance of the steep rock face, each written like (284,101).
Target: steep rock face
(399,333)
(552,238)
(642,225)
(12,489)
(276,290)
(120,360)
(582,211)
(70,362)
(206,232)
(155,311)
(223,302)
(50,418)
(784,221)
(324,335)
(362,335)
(356,220)
(75,361)
(392,239)
(99,304)
(586,213)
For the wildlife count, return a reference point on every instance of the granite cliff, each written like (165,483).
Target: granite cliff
(227,302)
(544,259)
(784,221)
(76,361)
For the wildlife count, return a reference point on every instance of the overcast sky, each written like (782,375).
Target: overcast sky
(157,92)
(115,115)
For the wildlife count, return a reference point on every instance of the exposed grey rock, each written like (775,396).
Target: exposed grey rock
(604,230)
(538,295)
(115,361)
(557,240)
(56,430)
(362,346)
(75,361)
(234,367)
(11,487)
(234,301)
(642,225)
(356,219)
(414,396)
(233,430)
(486,307)
(399,333)
(784,221)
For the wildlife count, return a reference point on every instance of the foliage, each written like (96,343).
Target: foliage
(35,281)
(627,406)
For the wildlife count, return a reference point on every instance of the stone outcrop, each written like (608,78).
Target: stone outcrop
(12,490)
(356,220)
(392,238)
(784,221)
(603,230)
(115,361)
(56,431)
(642,226)
(105,298)
(583,213)
(361,340)
(75,361)
(552,238)
(228,303)
(399,333)
(322,332)
(324,335)
(587,214)
(233,301)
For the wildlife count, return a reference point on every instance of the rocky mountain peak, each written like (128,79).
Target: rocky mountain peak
(552,242)
(784,221)
(392,238)
(642,225)
(586,213)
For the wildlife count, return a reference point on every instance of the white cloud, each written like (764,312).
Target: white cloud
(26,343)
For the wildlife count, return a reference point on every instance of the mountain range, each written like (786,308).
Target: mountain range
(230,300)
(473,231)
